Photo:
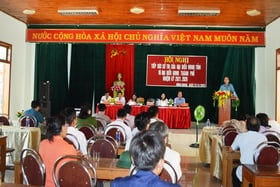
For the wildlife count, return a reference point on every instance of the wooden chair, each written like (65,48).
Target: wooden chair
(33,121)
(266,154)
(112,129)
(105,147)
(229,137)
(167,174)
(228,128)
(272,136)
(4,120)
(72,170)
(88,131)
(33,168)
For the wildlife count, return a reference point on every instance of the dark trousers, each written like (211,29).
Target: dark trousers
(235,181)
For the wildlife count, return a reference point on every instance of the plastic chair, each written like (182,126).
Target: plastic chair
(88,131)
(72,170)
(4,120)
(112,129)
(167,174)
(229,137)
(33,168)
(32,123)
(266,154)
(105,147)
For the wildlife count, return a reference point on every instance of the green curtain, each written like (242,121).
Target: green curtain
(218,64)
(51,64)
(87,74)
(240,68)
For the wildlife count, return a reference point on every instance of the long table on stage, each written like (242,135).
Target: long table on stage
(174,117)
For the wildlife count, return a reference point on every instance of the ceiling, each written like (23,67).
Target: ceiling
(156,12)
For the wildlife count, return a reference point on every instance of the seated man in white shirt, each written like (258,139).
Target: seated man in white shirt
(247,143)
(120,98)
(70,117)
(129,120)
(105,98)
(153,112)
(121,115)
(170,155)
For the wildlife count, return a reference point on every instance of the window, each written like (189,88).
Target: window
(5,67)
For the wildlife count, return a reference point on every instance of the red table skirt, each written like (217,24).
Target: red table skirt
(174,117)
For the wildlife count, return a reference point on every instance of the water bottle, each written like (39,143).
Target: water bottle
(208,124)
(27,121)
(118,136)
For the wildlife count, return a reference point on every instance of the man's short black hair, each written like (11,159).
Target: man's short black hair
(69,115)
(263,119)
(147,148)
(127,108)
(101,107)
(253,124)
(35,104)
(121,113)
(153,111)
(142,120)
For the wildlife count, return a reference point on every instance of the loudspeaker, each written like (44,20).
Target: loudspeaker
(44,92)
(45,108)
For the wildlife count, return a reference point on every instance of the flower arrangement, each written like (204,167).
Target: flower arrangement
(112,101)
(221,97)
(20,113)
(170,102)
(117,88)
(140,100)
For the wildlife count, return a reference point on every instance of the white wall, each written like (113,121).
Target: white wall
(267,70)
(22,68)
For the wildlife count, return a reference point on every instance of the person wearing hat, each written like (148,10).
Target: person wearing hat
(124,160)
(147,151)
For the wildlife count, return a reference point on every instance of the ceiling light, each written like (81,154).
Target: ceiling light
(202,12)
(253,12)
(78,12)
(28,11)
(137,10)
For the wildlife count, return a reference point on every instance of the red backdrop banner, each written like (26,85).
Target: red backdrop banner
(120,59)
(177,71)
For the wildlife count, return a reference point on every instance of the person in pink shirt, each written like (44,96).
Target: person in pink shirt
(54,146)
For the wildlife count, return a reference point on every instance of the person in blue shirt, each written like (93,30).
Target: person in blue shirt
(147,150)
(34,111)
(179,100)
(228,87)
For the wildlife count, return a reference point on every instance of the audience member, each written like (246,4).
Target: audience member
(170,155)
(101,113)
(179,100)
(147,150)
(141,122)
(120,98)
(69,115)
(129,119)
(246,142)
(275,126)
(263,118)
(153,112)
(54,146)
(85,118)
(105,98)
(121,115)
(163,101)
(34,111)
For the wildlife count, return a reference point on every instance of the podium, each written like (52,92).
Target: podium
(225,111)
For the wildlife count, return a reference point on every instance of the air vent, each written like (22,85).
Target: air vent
(183,12)
(78,12)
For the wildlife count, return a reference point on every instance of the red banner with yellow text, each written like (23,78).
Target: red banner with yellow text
(176,71)
(250,38)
